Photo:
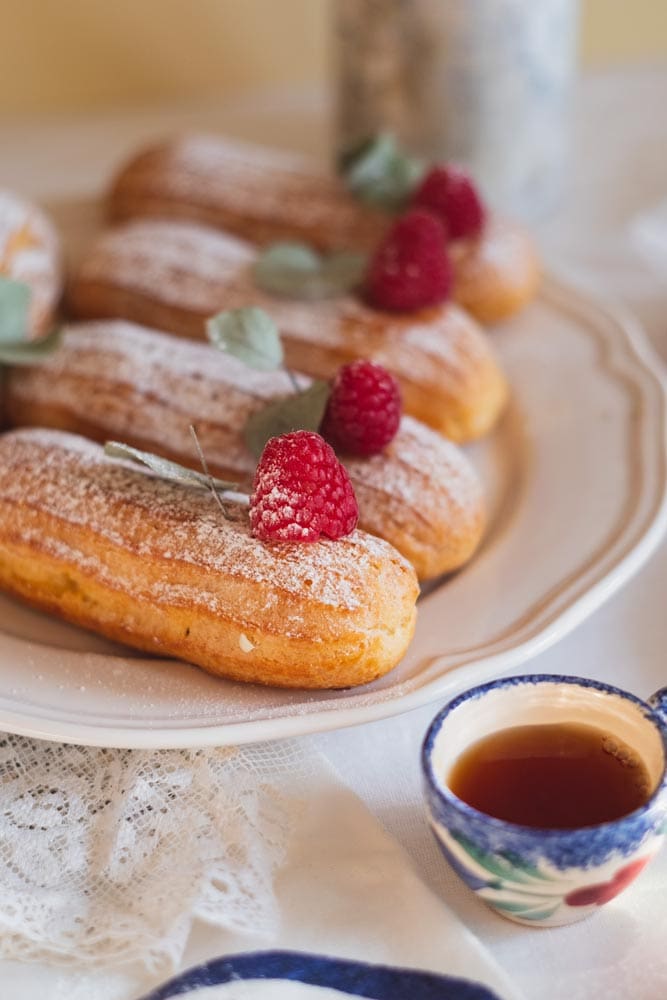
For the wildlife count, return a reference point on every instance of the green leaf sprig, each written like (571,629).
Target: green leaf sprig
(303,411)
(380,173)
(296,271)
(223,491)
(15,346)
(165,468)
(249,335)
(252,336)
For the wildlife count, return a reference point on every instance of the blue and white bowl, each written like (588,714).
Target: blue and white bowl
(539,876)
(290,975)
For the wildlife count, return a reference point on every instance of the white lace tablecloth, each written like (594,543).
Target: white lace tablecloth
(259,848)
(609,232)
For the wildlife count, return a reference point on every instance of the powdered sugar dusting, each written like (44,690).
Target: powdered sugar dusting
(418,469)
(176,263)
(255,192)
(201,271)
(69,479)
(206,153)
(502,249)
(137,385)
(301,491)
(133,382)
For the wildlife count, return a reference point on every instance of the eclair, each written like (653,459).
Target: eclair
(173,275)
(157,566)
(266,196)
(497,273)
(116,380)
(30,253)
(258,194)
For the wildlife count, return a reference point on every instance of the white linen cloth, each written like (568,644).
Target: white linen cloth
(617,953)
(108,889)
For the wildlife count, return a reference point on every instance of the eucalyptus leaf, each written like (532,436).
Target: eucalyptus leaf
(14,306)
(303,411)
(296,271)
(344,270)
(248,334)
(380,173)
(165,468)
(367,161)
(291,256)
(26,352)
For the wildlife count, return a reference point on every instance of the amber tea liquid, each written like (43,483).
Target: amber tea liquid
(559,776)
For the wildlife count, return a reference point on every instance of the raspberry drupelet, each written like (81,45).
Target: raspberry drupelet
(364,409)
(301,491)
(450,193)
(411,268)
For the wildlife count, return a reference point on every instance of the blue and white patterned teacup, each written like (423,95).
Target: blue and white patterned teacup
(537,876)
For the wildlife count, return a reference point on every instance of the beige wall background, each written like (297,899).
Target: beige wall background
(72,55)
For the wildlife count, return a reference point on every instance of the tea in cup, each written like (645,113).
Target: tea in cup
(547,794)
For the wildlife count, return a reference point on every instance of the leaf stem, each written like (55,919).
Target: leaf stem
(293,379)
(208,475)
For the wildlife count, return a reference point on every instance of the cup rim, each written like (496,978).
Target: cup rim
(557,833)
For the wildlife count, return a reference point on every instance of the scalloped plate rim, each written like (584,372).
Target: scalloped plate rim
(646,372)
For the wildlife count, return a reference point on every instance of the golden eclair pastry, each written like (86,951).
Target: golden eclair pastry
(172,276)
(261,195)
(155,565)
(265,196)
(30,253)
(115,380)
(497,274)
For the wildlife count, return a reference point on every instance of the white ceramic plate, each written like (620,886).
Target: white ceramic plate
(576,477)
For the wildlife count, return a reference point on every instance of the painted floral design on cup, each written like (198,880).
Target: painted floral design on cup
(508,884)
(540,876)
(602,892)
(526,892)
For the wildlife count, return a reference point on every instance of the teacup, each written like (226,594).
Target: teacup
(532,875)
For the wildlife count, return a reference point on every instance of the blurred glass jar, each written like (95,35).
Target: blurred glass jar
(485,83)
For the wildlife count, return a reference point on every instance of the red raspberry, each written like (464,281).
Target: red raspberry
(364,409)
(449,193)
(301,491)
(410,268)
